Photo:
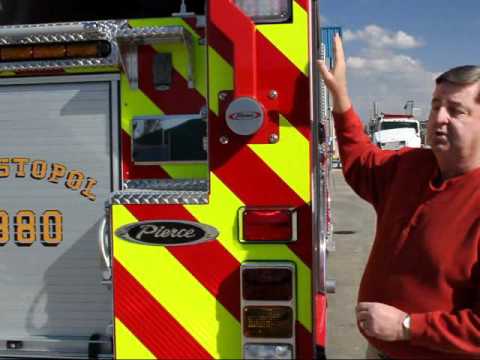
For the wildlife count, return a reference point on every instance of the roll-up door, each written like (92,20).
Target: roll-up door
(55,176)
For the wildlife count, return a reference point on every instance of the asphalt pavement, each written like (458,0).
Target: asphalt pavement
(354,226)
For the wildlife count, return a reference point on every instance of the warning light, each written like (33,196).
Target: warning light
(16,53)
(263,283)
(267,224)
(48,52)
(267,11)
(57,51)
(268,321)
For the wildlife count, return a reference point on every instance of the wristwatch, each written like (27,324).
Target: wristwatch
(406,326)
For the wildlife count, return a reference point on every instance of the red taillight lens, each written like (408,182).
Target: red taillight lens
(263,224)
(268,321)
(274,284)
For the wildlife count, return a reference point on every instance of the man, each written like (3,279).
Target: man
(420,293)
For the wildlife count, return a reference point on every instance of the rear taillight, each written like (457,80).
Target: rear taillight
(268,310)
(262,224)
(267,321)
(267,11)
(267,284)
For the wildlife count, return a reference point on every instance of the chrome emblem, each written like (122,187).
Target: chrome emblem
(167,232)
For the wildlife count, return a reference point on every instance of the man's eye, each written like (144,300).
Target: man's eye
(456,111)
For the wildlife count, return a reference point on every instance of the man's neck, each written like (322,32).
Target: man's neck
(453,169)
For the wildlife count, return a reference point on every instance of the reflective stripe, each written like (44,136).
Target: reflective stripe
(286,37)
(127,346)
(134,103)
(289,158)
(215,82)
(222,207)
(197,311)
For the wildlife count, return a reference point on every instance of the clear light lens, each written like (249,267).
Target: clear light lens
(267,11)
(267,351)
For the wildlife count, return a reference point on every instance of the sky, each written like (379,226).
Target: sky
(396,48)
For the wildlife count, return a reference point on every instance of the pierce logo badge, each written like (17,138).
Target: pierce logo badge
(167,232)
(245,115)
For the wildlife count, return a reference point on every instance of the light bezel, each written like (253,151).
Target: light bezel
(294,219)
(291,303)
(282,18)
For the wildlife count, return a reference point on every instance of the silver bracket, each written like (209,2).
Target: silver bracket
(129,40)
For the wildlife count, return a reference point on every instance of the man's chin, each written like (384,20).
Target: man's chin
(440,147)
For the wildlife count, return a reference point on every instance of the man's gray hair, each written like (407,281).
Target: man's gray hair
(460,75)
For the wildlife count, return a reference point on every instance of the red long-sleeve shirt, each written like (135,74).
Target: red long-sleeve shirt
(425,257)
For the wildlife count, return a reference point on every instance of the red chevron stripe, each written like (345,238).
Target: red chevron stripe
(213,266)
(271,63)
(303,4)
(303,342)
(132,171)
(242,171)
(173,101)
(161,334)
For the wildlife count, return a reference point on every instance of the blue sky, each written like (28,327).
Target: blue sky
(395,48)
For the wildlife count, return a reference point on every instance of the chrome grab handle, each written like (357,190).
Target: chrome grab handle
(104,246)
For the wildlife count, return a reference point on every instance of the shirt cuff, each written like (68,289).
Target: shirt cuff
(418,327)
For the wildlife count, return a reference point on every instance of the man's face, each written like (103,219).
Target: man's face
(454,122)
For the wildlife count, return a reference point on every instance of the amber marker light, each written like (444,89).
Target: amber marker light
(268,321)
(88,49)
(43,52)
(16,53)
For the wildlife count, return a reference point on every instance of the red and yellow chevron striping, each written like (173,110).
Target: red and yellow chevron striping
(184,302)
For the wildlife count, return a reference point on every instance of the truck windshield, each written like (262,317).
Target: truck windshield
(17,12)
(388,125)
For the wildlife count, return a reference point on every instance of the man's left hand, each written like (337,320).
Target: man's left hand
(381,321)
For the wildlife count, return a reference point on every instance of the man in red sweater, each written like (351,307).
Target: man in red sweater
(420,293)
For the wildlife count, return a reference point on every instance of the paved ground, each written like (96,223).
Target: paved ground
(354,222)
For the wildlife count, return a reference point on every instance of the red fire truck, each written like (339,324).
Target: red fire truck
(163,176)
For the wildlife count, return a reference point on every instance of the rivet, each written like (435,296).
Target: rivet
(273,139)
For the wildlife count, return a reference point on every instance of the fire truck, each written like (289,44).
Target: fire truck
(163,180)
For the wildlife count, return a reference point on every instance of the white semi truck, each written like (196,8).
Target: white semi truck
(394,131)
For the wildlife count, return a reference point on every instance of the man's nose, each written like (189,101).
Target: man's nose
(440,116)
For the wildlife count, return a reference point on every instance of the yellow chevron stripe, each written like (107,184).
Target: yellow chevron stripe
(91,69)
(289,158)
(179,292)
(127,346)
(186,171)
(134,103)
(222,212)
(220,78)
(291,39)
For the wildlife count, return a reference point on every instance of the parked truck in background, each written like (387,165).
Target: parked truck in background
(394,131)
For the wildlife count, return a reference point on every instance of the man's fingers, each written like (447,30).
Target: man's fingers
(324,71)
(363,316)
(338,50)
(363,306)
